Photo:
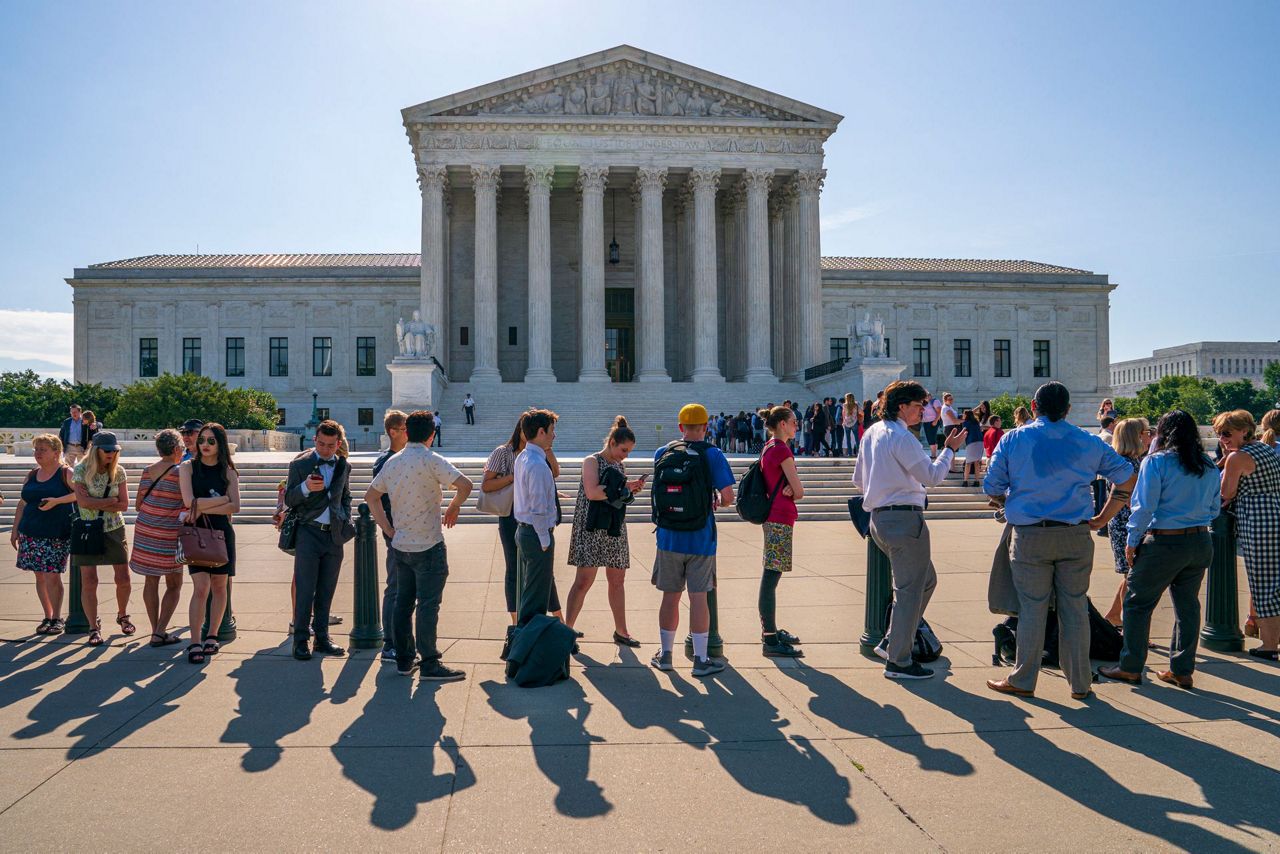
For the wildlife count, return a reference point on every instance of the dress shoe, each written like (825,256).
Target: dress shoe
(1081,695)
(1002,686)
(1175,679)
(301,651)
(1117,675)
(324,646)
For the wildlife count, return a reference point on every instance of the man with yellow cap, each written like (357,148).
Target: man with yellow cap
(690,476)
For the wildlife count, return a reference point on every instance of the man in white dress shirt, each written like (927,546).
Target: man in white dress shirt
(537,512)
(892,472)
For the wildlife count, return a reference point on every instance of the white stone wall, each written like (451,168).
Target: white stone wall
(1223,361)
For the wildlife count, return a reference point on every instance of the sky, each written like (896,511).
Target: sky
(1140,140)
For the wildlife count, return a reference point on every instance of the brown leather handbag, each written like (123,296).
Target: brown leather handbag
(201,545)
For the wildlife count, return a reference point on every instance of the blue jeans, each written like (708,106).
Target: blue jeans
(420,578)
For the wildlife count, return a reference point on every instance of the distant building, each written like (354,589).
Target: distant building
(1223,361)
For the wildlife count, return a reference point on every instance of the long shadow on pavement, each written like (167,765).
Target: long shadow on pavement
(277,697)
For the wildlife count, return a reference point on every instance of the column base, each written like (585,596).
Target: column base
(539,375)
(653,377)
(706,375)
(794,378)
(485,375)
(759,375)
(599,375)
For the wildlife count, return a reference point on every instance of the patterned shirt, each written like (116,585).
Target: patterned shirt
(415,480)
(99,488)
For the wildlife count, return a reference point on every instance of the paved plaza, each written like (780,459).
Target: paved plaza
(124,747)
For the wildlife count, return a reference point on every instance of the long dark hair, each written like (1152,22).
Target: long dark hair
(1180,435)
(517,435)
(224,450)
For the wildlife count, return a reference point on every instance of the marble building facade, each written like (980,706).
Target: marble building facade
(1222,361)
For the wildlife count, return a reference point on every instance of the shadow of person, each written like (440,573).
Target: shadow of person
(557,717)
(22,676)
(277,697)
(1258,677)
(390,751)
(737,723)
(844,707)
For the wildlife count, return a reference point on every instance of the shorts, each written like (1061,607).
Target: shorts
(672,571)
(930,433)
(777,547)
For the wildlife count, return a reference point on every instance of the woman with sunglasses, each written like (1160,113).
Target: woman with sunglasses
(102,491)
(210,489)
(1251,484)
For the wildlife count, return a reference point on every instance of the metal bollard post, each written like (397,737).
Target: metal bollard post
(715,643)
(879,595)
(1221,631)
(77,622)
(227,629)
(367,631)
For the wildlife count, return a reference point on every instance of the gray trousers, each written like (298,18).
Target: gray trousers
(316,563)
(1049,563)
(534,577)
(1176,562)
(904,537)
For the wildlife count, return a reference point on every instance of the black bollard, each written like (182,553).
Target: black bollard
(77,622)
(715,643)
(367,631)
(227,629)
(879,595)
(1221,631)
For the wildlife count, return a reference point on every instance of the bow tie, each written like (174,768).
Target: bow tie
(325,462)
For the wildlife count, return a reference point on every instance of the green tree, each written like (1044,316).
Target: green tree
(1241,394)
(1005,404)
(170,399)
(26,400)
(1189,393)
(1271,376)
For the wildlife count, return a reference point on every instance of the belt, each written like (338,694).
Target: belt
(1173,532)
(324,526)
(1050,523)
(915,507)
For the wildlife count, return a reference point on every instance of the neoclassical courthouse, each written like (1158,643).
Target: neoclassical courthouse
(610,229)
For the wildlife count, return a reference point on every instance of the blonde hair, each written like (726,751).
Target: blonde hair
(48,440)
(850,404)
(1236,419)
(1126,438)
(1021,416)
(91,469)
(1270,427)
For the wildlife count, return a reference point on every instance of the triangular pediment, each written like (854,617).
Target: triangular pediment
(622,82)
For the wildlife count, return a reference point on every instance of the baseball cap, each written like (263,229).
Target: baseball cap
(106,441)
(692,414)
(191,425)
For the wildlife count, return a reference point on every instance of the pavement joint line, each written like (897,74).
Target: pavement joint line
(37,786)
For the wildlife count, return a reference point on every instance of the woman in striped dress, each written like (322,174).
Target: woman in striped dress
(1251,479)
(155,536)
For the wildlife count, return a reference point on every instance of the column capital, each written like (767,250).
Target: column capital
(592,178)
(433,177)
(537,179)
(704,179)
(757,180)
(778,201)
(651,178)
(486,177)
(810,180)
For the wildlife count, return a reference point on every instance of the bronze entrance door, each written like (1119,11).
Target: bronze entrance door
(619,333)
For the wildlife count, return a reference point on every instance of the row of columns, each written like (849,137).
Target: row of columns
(774,243)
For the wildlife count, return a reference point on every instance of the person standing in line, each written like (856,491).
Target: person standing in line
(102,490)
(319,493)
(1251,485)
(469,408)
(1270,428)
(930,420)
(892,472)
(1106,428)
(158,504)
(210,488)
(414,480)
(951,417)
(972,448)
(189,430)
(41,532)
(851,421)
(836,428)
(537,510)
(1021,417)
(1177,497)
(599,536)
(991,437)
(821,426)
(393,424)
(439,429)
(71,435)
(1132,439)
(91,426)
(1050,550)
(688,558)
(777,464)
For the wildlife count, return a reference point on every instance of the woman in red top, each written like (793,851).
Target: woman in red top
(776,463)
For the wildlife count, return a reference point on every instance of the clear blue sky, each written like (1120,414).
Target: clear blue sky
(1137,139)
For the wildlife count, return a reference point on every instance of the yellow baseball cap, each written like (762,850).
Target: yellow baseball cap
(693,414)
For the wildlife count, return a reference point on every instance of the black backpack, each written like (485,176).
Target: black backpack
(1105,640)
(925,646)
(681,493)
(755,501)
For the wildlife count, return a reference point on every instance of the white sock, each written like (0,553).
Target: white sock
(668,640)
(700,645)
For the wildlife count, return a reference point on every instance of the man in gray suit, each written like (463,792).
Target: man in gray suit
(319,493)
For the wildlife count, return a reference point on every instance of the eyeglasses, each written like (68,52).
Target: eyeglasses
(1223,434)
(207,441)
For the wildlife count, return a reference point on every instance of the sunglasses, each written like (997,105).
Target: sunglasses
(105,451)
(209,440)
(1223,434)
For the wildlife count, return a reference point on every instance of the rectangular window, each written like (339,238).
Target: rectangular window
(191,355)
(322,413)
(921,358)
(512,338)
(279,417)
(279,366)
(364,417)
(1004,358)
(464,336)
(888,351)
(148,357)
(366,357)
(235,357)
(1040,350)
(839,348)
(964,358)
(321,357)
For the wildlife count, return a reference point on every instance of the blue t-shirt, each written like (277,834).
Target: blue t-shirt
(698,542)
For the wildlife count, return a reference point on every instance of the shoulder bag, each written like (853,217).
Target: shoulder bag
(89,536)
(201,544)
(500,502)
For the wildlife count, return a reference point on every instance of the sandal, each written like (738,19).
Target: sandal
(786,637)
(166,639)
(56,626)
(1265,654)
(195,653)
(626,640)
(125,626)
(211,646)
(95,638)
(43,628)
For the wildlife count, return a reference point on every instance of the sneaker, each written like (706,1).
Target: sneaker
(780,649)
(662,661)
(437,672)
(882,648)
(911,671)
(406,671)
(388,653)
(706,666)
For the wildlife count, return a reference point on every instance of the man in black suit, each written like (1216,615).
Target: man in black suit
(318,492)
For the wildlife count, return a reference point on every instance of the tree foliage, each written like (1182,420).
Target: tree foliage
(1005,404)
(1271,377)
(1203,398)
(26,400)
(170,399)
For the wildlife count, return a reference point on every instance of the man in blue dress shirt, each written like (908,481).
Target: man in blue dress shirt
(1042,474)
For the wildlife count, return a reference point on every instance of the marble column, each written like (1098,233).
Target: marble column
(591,183)
(946,348)
(685,317)
(652,359)
(728,210)
(741,262)
(814,347)
(792,319)
(777,273)
(486,180)
(759,314)
(706,344)
(433,183)
(537,181)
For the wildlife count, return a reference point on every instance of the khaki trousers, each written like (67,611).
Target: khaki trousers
(1049,563)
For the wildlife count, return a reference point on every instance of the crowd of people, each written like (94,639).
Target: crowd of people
(1164,494)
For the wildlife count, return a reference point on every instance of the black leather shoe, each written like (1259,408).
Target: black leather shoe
(324,646)
(301,651)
